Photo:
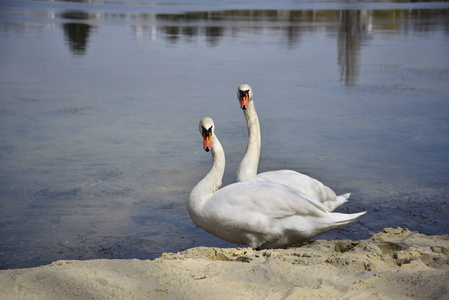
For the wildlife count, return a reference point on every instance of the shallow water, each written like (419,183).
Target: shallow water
(100,103)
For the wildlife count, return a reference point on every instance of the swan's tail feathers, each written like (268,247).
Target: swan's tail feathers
(343,219)
(340,200)
(346,196)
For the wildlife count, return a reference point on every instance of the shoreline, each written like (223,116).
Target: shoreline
(394,263)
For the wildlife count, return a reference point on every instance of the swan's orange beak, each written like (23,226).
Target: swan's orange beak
(243,98)
(207,144)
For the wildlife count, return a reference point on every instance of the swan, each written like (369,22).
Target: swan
(260,214)
(247,170)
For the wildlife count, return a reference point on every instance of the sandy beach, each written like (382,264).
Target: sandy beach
(393,264)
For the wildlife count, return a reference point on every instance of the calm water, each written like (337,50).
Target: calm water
(100,103)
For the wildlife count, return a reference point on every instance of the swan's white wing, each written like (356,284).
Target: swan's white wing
(308,185)
(269,199)
(266,214)
(253,213)
(304,183)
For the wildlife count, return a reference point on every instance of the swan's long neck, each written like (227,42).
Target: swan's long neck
(247,170)
(209,184)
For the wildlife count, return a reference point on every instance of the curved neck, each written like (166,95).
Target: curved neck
(247,170)
(209,184)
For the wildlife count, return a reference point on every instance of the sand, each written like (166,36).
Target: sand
(393,264)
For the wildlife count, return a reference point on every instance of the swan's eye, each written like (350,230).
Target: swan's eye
(207,133)
(243,95)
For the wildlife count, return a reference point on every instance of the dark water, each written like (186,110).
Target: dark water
(100,103)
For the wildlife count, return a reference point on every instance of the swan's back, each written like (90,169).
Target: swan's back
(304,183)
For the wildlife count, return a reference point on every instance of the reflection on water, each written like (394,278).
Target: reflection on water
(99,106)
(77,33)
(352,28)
(77,36)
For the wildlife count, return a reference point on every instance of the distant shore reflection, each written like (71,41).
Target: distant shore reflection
(351,28)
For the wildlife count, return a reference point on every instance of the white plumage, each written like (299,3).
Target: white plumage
(260,214)
(247,170)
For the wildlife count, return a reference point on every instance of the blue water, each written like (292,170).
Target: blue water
(100,103)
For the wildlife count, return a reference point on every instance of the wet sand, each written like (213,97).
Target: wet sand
(395,263)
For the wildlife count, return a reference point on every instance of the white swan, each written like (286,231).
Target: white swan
(247,170)
(260,214)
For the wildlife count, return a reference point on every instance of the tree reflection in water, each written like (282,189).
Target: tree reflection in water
(352,28)
(76,33)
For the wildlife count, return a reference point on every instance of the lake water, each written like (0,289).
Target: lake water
(100,103)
